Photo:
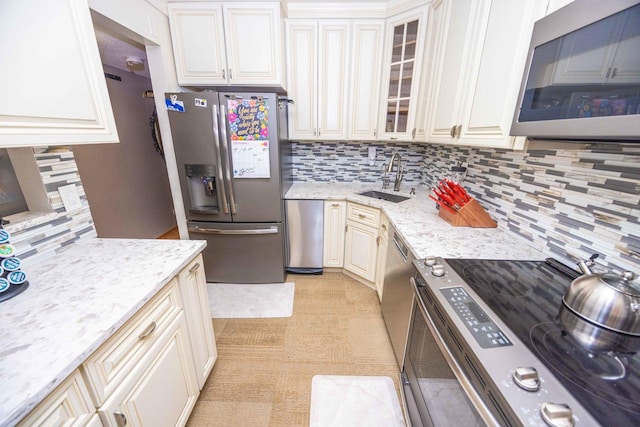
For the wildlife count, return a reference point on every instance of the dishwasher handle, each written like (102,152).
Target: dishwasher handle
(401,247)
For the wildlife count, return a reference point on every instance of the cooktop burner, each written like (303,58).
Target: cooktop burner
(527,296)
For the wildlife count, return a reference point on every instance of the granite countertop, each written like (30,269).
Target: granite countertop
(75,302)
(418,223)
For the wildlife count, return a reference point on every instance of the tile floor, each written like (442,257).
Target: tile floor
(265,366)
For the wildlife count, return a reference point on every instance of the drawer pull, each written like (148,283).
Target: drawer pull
(121,419)
(194,268)
(148,330)
(335,205)
(384,227)
(362,215)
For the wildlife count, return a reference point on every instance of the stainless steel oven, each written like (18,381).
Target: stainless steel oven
(434,394)
(486,347)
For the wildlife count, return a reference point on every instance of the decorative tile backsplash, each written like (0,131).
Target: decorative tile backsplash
(40,234)
(568,200)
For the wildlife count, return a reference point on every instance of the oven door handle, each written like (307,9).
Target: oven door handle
(468,388)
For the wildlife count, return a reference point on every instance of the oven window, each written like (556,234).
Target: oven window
(440,399)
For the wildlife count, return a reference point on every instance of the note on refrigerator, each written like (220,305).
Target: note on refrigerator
(249,134)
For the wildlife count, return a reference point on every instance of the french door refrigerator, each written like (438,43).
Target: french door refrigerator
(234,165)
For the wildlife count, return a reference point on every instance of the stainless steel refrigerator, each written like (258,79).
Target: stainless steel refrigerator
(234,163)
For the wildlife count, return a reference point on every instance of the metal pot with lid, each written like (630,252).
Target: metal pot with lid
(608,300)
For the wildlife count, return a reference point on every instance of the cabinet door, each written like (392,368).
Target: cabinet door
(193,287)
(197,35)
(302,56)
(445,88)
(162,392)
(52,79)
(70,405)
(334,233)
(500,42)
(361,250)
(333,72)
(366,54)
(253,37)
(404,48)
(480,68)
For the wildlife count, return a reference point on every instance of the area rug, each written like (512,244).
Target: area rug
(344,401)
(230,300)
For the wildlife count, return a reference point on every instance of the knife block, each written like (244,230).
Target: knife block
(470,215)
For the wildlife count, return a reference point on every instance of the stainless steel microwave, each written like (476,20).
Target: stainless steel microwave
(582,78)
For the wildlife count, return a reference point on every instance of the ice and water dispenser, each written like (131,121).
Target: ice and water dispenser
(202,189)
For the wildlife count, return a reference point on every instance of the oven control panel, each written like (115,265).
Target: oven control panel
(485,332)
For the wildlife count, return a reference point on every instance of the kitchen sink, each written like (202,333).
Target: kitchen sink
(395,198)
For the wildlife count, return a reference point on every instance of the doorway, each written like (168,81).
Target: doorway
(127,184)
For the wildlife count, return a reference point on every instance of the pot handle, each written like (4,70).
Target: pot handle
(621,375)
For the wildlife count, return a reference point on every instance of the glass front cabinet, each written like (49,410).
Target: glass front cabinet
(405,36)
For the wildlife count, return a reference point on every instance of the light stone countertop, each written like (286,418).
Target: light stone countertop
(75,302)
(418,223)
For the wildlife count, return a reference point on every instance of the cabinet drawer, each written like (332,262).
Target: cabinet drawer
(115,359)
(363,214)
(69,405)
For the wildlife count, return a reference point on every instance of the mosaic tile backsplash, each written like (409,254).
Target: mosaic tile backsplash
(40,235)
(569,201)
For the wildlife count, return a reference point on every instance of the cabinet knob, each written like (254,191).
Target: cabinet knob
(452,132)
(413,133)
(362,216)
(458,131)
(121,419)
(224,75)
(230,74)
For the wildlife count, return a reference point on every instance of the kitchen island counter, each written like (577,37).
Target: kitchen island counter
(418,223)
(75,302)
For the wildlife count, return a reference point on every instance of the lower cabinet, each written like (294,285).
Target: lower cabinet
(361,241)
(381,256)
(193,288)
(160,392)
(149,372)
(69,405)
(334,225)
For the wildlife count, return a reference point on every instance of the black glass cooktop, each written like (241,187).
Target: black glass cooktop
(527,296)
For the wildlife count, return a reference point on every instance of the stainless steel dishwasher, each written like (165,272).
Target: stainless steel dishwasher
(305,231)
(397,294)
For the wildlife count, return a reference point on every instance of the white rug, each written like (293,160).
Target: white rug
(230,300)
(344,401)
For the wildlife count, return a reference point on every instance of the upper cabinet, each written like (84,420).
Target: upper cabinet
(333,78)
(318,67)
(478,69)
(237,43)
(52,78)
(404,48)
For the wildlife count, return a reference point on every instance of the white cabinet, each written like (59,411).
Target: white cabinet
(334,233)
(366,55)
(478,70)
(361,241)
(238,43)
(162,391)
(52,79)
(317,54)
(404,47)
(381,256)
(70,405)
(193,288)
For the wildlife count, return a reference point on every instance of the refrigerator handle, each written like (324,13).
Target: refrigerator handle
(216,142)
(270,230)
(224,140)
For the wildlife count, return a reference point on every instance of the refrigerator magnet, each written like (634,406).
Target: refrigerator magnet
(173,104)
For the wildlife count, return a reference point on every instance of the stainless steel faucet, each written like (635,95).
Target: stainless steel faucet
(399,170)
